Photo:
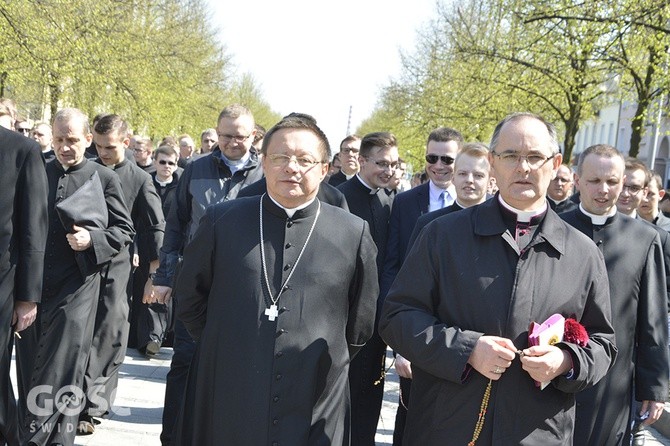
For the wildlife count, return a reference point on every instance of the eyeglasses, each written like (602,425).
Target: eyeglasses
(22,130)
(432,159)
(385,164)
(279,159)
(534,160)
(164,162)
(632,189)
(238,138)
(349,150)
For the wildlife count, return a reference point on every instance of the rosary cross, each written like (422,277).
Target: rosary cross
(272,312)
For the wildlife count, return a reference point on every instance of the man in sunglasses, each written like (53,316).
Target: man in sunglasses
(441,148)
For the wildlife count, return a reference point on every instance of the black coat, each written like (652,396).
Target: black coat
(23,233)
(285,380)
(634,260)
(463,278)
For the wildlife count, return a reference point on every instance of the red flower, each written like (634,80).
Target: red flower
(575,333)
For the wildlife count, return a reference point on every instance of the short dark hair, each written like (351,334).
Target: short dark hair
(167,151)
(260,133)
(383,140)
(551,129)
(445,134)
(111,124)
(349,138)
(602,150)
(635,164)
(299,121)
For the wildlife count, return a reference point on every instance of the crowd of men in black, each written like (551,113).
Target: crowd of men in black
(109,243)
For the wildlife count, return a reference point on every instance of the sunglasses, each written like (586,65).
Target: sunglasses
(169,163)
(23,130)
(432,159)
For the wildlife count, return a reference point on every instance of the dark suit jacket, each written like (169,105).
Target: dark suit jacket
(427,218)
(327,193)
(337,179)
(407,208)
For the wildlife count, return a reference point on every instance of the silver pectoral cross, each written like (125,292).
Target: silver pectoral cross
(272,312)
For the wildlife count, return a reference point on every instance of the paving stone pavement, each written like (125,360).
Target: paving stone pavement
(136,418)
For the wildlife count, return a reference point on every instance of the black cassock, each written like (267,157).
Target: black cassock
(23,232)
(257,381)
(634,261)
(110,336)
(54,350)
(366,373)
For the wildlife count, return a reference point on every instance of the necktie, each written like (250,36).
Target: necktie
(443,199)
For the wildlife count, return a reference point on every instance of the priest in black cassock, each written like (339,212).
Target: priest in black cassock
(110,337)
(280,290)
(634,260)
(560,191)
(23,234)
(52,356)
(367,199)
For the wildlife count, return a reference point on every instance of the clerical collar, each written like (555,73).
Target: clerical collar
(598,220)
(555,201)
(290,212)
(525,216)
(235,165)
(372,190)
(462,206)
(164,183)
(73,168)
(348,177)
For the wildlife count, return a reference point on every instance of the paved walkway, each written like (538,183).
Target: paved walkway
(137,414)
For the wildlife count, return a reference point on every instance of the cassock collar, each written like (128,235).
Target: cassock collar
(597,220)
(72,168)
(278,210)
(115,166)
(362,182)
(457,206)
(534,217)
(487,220)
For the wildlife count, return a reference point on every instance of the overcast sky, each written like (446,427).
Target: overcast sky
(321,57)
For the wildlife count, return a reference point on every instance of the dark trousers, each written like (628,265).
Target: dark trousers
(401,414)
(148,322)
(184,349)
(366,385)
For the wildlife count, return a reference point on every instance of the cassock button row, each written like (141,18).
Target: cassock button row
(289,224)
(283,330)
(274,443)
(279,354)
(287,267)
(275,399)
(278,377)
(288,245)
(275,421)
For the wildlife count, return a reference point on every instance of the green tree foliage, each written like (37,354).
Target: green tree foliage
(156,62)
(482,59)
